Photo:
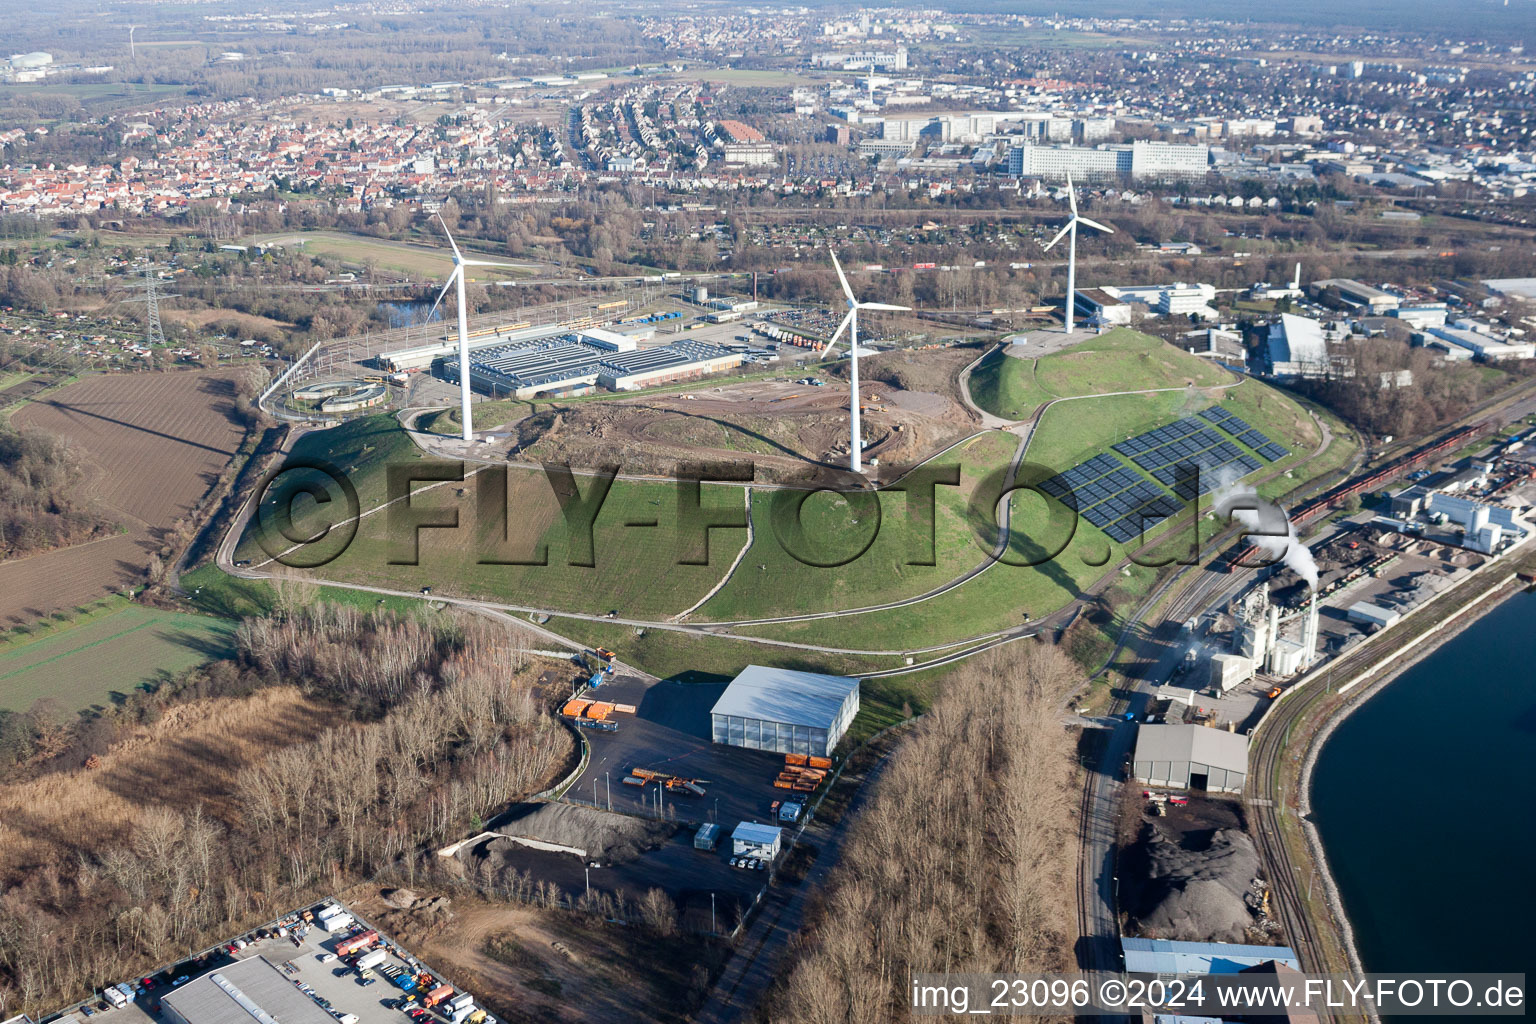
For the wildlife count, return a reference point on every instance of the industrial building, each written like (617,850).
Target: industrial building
(1191,757)
(1296,347)
(1366,613)
(1257,635)
(753,840)
(578,363)
(420,357)
(1161,956)
(1113,304)
(784,710)
(247,991)
(1357,295)
(683,360)
(1479,339)
(1229,671)
(1139,159)
(559,367)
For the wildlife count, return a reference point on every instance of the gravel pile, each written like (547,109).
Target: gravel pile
(608,838)
(1197,895)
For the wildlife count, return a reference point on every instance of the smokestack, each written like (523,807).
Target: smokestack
(1309,631)
(1296,281)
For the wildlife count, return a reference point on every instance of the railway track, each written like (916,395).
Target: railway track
(1271,746)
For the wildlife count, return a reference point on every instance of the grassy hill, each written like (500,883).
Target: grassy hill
(637,568)
(1117,360)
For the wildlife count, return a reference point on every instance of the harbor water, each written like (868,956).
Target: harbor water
(1425,799)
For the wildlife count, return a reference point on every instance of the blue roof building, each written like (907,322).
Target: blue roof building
(1162,956)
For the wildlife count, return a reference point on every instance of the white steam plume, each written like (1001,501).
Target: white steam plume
(1267,524)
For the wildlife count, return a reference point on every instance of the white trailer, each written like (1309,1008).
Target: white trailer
(372,958)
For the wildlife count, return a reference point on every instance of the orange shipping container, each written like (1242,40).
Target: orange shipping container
(781,784)
(819,762)
(574,708)
(794,759)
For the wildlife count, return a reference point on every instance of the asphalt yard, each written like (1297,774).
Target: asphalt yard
(670,732)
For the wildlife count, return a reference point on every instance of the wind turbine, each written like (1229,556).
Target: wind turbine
(1071,228)
(457,277)
(851,321)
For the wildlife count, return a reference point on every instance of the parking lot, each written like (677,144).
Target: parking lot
(298,958)
(669,733)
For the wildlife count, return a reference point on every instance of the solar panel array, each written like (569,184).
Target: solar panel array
(1119,501)
(1238,427)
(1111,495)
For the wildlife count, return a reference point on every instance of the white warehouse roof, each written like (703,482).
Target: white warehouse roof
(784,695)
(1161,956)
(1197,743)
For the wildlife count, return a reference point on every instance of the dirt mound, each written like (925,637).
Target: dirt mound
(400,899)
(1195,891)
(606,837)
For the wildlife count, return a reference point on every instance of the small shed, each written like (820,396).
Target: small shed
(707,837)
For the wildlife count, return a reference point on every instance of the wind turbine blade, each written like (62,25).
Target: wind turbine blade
(1059,236)
(884,306)
(1071,196)
(457,256)
(444,293)
(838,333)
(1095,224)
(494,263)
(841,277)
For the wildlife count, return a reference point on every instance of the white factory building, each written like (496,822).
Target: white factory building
(1257,636)
(1296,347)
(1139,159)
(1177,299)
(1487,525)
(785,711)
(1479,340)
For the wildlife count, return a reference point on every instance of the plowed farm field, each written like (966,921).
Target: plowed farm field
(154,443)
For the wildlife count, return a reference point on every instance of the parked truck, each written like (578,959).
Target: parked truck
(372,958)
(437,995)
(362,940)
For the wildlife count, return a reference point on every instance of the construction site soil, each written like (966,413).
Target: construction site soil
(779,425)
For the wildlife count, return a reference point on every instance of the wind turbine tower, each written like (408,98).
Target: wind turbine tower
(851,322)
(1071,229)
(457,278)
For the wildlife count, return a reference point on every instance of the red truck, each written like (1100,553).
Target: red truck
(362,940)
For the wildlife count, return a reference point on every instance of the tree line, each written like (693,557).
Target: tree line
(436,725)
(962,861)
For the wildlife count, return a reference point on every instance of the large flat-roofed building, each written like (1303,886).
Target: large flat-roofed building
(1362,296)
(1191,757)
(1162,956)
(786,711)
(1296,347)
(1140,159)
(682,360)
(249,991)
(530,370)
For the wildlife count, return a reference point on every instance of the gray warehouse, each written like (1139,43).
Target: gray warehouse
(250,991)
(786,711)
(1191,757)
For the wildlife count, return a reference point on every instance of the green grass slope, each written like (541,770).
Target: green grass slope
(1117,360)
